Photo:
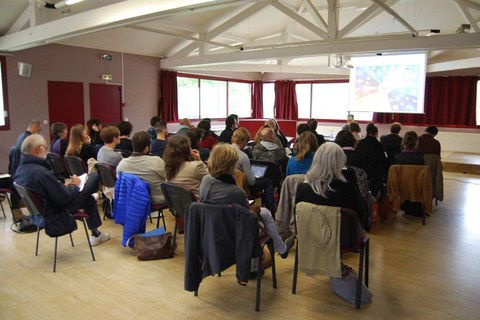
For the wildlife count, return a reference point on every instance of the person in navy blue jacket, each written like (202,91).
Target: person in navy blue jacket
(34,174)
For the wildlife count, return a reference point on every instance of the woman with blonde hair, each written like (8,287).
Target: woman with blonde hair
(80,144)
(326,185)
(307,144)
(219,186)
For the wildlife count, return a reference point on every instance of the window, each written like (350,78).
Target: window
(328,101)
(268,100)
(4,117)
(188,98)
(211,98)
(240,99)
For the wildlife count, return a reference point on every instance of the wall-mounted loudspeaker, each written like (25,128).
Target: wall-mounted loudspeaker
(24,69)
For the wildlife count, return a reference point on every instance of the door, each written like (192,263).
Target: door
(65,102)
(106,102)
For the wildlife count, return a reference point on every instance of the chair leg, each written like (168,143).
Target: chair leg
(259,281)
(424,215)
(150,217)
(55,255)
(88,239)
(358,293)
(367,260)
(195,293)
(295,272)
(163,219)
(175,235)
(272,258)
(38,236)
(3,210)
(71,239)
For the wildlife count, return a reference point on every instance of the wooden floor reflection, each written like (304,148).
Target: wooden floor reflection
(416,272)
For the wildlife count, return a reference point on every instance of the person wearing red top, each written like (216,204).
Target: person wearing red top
(208,141)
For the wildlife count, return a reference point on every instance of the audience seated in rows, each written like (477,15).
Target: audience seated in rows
(231,123)
(240,138)
(410,154)
(80,144)
(34,174)
(272,123)
(392,143)
(219,187)
(355,130)
(149,169)
(160,142)
(125,128)
(195,135)
(267,150)
(111,137)
(427,143)
(326,185)
(59,143)
(306,147)
(183,165)
(35,126)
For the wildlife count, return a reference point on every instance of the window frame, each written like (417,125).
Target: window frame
(227,80)
(4,87)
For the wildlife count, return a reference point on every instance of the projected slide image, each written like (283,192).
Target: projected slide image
(391,88)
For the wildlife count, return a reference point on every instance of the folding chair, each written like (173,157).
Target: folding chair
(75,165)
(108,178)
(177,198)
(35,208)
(7,193)
(352,239)
(58,166)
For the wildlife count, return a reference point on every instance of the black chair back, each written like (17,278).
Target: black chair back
(13,160)
(107,175)
(57,165)
(125,153)
(75,165)
(177,198)
(30,200)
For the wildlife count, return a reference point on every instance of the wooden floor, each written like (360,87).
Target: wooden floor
(416,272)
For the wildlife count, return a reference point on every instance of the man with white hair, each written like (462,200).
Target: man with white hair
(34,174)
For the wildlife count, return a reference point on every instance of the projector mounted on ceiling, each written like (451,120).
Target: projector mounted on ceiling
(339,61)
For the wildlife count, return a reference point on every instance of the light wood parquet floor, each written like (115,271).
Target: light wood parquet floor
(416,272)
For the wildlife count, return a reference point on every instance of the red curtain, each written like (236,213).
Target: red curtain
(168,106)
(449,101)
(257,100)
(286,106)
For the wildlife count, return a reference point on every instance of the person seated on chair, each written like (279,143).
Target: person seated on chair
(208,140)
(410,154)
(94,127)
(326,185)
(107,154)
(35,126)
(313,128)
(195,135)
(149,169)
(231,123)
(301,128)
(307,145)
(219,187)
(151,130)
(184,126)
(268,150)
(355,130)
(346,140)
(240,138)
(272,123)
(125,128)
(183,165)
(427,143)
(59,143)
(160,143)
(35,175)
(80,144)
(392,143)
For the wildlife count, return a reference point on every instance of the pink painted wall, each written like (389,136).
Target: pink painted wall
(28,97)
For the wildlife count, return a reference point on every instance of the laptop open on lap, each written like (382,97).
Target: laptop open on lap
(259,171)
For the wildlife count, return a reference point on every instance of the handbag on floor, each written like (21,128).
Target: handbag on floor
(155,244)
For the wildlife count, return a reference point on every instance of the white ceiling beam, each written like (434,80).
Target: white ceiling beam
(367,15)
(254,9)
(454,65)
(107,17)
(472,4)
(314,13)
(393,44)
(233,37)
(27,16)
(301,20)
(462,5)
(332,19)
(396,16)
